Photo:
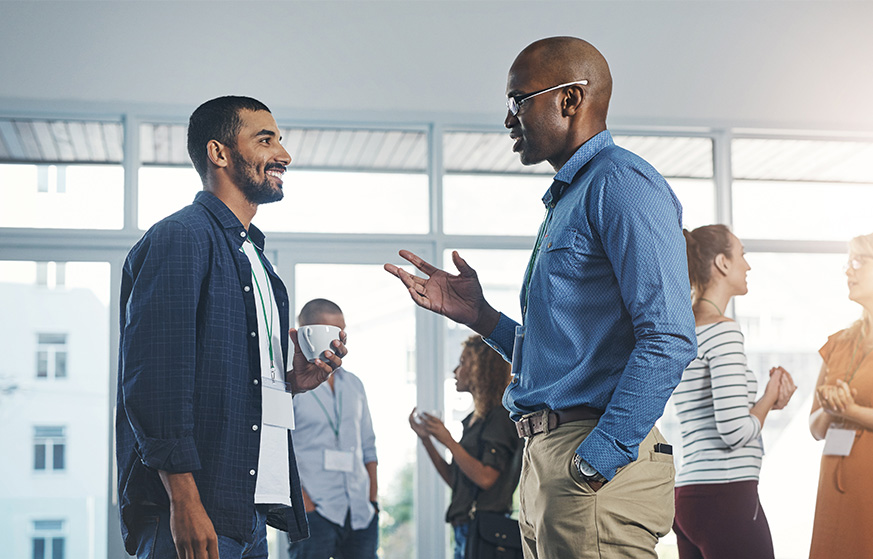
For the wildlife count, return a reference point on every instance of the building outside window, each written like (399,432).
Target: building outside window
(48,541)
(51,356)
(49,448)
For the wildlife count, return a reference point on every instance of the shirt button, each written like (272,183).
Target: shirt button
(254,427)
(255,381)
(252,334)
(251,472)
(549,245)
(242,233)
(247,289)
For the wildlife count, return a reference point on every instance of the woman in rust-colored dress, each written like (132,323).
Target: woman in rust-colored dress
(842,413)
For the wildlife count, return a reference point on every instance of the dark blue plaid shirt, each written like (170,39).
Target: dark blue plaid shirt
(609,322)
(189,364)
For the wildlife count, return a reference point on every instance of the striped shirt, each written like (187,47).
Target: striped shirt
(721,440)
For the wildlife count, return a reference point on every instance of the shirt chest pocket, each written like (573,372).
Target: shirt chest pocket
(560,261)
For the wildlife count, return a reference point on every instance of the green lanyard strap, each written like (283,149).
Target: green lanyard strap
(339,417)
(543,232)
(268,322)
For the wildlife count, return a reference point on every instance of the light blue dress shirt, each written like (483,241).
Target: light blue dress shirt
(317,414)
(609,322)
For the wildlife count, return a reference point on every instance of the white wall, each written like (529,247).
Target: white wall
(713,63)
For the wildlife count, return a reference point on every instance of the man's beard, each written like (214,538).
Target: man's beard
(255,192)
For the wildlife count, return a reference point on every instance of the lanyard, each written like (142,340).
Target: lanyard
(544,227)
(268,321)
(339,417)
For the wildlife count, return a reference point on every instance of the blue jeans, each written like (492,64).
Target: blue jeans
(327,539)
(151,532)
(461,533)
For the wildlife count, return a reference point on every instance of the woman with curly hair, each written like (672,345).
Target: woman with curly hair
(842,413)
(486,462)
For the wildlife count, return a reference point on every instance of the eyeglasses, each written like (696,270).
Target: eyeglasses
(855,263)
(513,102)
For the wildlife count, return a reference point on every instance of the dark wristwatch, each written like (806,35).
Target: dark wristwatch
(376,505)
(587,471)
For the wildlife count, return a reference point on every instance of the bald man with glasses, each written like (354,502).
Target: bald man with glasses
(607,327)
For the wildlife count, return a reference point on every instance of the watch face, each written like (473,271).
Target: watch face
(585,468)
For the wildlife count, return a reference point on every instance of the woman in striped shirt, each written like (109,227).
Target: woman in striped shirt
(718,514)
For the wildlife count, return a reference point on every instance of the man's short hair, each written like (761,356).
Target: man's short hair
(217,119)
(315,309)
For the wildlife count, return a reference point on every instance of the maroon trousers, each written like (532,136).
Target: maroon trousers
(721,521)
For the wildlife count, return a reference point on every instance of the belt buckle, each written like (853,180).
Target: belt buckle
(524,427)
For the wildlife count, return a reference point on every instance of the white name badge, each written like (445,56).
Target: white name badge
(338,460)
(839,441)
(277,406)
(516,350)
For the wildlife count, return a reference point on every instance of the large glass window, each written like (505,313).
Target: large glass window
(795,302)
(380,324)
(163,191)
(339,180)
(55,432)
(349,202)
(379,180)
(802,189)
(487,191)
(61,196)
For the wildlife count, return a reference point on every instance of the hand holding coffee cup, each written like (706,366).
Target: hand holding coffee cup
(315,339)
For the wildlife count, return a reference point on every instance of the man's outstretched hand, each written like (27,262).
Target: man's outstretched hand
(458,297)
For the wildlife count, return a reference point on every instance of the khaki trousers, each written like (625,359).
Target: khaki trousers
(561,517)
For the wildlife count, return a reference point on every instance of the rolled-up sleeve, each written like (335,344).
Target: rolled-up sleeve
(499,442)
(162,284)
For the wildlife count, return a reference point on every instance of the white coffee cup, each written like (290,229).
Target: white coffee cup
(315,339)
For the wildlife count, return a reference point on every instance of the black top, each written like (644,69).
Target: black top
(494,442)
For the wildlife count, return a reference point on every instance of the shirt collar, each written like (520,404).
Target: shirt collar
(567,174)
(227,219)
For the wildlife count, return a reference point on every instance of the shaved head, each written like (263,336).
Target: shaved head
(553,113)
(557,60)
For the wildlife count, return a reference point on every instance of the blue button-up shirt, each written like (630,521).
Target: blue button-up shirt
(609,322)
(189,370)
(337,419)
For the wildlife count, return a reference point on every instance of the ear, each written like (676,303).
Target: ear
(217,153)
(572,102)
(721,263)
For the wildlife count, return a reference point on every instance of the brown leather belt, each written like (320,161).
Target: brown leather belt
(534,424)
